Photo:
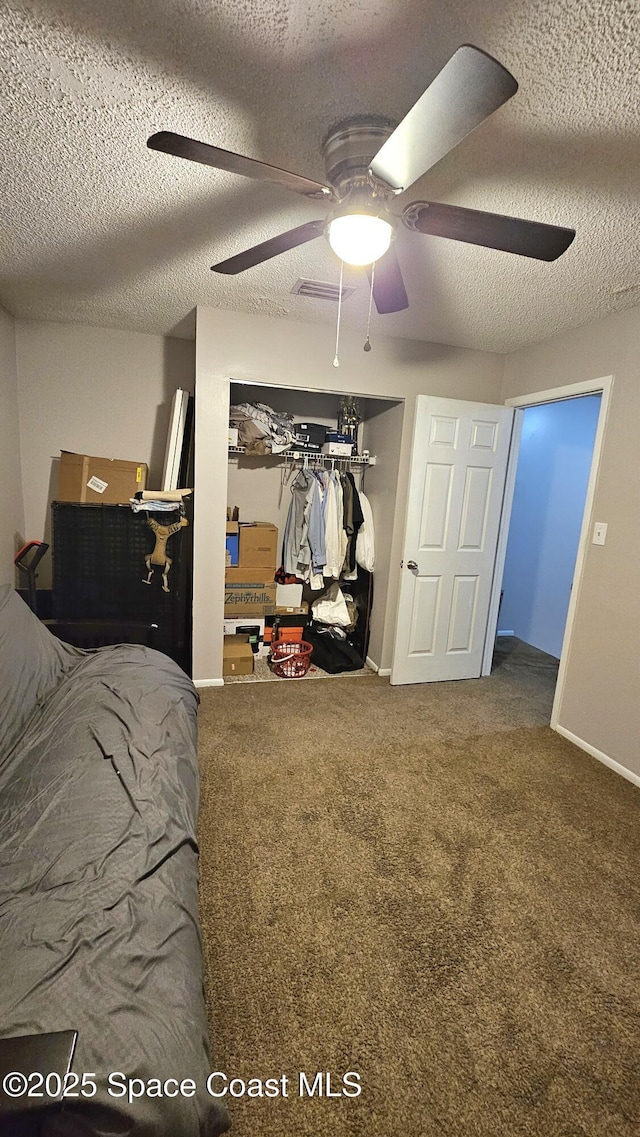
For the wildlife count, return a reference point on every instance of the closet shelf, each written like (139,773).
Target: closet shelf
(293,455)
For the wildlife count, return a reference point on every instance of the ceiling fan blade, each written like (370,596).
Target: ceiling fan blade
(470,87)
(271,248)
(169,143)
(389,292)
(494,231)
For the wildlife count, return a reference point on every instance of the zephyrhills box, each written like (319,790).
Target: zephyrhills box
(248,594)
(110,481)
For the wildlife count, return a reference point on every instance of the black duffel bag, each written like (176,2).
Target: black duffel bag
(330,652)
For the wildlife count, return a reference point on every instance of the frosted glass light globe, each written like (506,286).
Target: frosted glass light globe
(360,238)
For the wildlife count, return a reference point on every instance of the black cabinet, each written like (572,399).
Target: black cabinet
(100,574)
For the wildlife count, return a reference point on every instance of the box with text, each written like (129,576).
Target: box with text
(110,481)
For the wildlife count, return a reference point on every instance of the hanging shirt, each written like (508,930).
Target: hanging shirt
(347,516)
(365,545)
(353,518)
(332,529)
(316,527)
(342,536)
(303,545)
(296,552)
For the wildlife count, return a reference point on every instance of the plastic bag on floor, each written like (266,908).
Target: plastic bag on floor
(332,608)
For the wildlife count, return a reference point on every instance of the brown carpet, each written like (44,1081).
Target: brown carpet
(428,886)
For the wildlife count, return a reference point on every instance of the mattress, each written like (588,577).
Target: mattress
(99,924)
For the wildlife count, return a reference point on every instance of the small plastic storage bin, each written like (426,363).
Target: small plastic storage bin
(290,659)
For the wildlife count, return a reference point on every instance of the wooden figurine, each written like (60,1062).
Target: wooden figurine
(158,558)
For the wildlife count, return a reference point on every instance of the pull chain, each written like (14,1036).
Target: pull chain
(367,342)
(336,361)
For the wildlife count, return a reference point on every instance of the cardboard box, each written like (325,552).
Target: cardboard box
(107,480)
(338,449)
(237,656)
(232,544)
(249,599)
(289,596)
(251,626)
(258,545)
(232,627)
(248,593)
(259,577)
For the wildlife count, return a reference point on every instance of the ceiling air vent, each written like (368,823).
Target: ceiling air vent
(321,290)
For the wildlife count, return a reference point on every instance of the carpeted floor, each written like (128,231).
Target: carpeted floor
(427,886)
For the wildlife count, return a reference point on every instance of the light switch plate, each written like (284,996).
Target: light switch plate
(599,533)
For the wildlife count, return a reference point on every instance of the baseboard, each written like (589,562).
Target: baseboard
(500,633)
(208,682)
(384,671)
(369,662)
(604,758)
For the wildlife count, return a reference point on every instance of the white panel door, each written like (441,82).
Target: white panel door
(456,486)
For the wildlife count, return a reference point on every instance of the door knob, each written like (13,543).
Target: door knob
(412,565)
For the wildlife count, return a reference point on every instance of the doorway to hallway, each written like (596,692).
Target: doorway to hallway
(551,483)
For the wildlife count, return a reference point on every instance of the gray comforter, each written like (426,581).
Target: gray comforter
(98,873)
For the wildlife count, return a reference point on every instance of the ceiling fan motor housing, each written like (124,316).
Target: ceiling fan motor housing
(348,149)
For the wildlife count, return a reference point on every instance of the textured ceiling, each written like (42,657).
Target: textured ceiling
(97,229)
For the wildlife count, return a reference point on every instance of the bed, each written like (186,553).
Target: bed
(99,929)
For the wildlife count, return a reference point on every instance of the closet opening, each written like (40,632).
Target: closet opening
(346,602)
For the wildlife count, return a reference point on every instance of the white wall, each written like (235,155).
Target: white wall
(554,462)
(600,704)
(94,391)
(292,354)
(11,501)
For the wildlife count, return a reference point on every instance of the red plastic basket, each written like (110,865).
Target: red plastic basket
(290,659)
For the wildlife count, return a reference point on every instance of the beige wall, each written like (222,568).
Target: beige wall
(94,391)
(11,501)
(384,439)
(600,704)
(284,353)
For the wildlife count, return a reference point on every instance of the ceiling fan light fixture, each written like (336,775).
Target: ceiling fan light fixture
(359,238)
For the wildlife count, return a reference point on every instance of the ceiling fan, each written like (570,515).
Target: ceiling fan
(369,160)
